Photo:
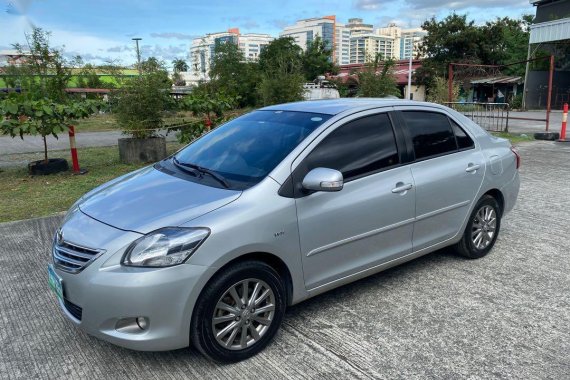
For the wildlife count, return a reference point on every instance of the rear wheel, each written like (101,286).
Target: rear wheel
(239,312)
(482,229)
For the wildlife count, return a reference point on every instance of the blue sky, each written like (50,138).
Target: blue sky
(99,30)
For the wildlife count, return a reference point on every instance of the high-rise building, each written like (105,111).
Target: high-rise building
(202,50)
(357,26)
(356,41)
(408,40)
(305,31)
(342,44)
(365,47)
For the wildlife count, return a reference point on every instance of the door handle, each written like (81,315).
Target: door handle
(472,168)
(401,187)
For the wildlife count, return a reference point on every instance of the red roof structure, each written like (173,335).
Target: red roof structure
(400,71)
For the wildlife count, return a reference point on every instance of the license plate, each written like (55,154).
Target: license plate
(55,282)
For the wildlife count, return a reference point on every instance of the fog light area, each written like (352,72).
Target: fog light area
(134,325)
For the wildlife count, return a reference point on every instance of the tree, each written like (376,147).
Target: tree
(88,78)
(453,39)
(317,60)
(44,117)
(440,91)
(43,106)
(282,75)
(209,106)
(457,39)
(45,73)
(140,104)
(179,65)
(377,79)
(232,75)
(505,41)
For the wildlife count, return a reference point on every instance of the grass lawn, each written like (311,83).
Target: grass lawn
(106,122)
(23,196)
(515,138)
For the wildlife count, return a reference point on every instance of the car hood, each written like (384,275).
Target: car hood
(147,199)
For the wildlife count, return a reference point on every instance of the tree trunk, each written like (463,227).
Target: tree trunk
(45,150)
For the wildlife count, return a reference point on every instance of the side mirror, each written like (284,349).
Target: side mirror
(323,179)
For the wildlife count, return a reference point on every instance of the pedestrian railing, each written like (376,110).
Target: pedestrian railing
(491,116)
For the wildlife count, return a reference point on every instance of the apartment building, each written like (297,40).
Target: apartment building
(202,50)
(364,47)
(305,31)
(356,41)
(341,53)
(408,41)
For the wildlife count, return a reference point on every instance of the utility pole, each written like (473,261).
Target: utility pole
(137,39)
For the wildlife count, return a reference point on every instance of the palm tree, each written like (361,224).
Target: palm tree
(179,65)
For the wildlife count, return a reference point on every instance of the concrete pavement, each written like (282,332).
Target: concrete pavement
(441,316)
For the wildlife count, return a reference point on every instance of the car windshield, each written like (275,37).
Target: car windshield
(244,150)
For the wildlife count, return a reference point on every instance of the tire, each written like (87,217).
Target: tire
(54,165)
(235,323)
(549,136)
(478,242)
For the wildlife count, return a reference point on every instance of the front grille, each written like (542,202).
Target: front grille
(73,309)
(72,257)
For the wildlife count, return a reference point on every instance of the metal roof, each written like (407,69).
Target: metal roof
(556,30)
(498,80)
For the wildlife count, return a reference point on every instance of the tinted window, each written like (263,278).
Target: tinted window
(463,140)
(357,148)
(430,132)
(247,148)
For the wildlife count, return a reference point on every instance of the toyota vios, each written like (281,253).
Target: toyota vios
(210,245)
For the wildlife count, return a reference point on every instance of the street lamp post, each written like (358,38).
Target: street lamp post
(137,39)
(410,70)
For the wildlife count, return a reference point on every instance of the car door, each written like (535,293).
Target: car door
(448,172)
(370,220)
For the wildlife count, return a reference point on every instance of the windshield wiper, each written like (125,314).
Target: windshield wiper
(203,170)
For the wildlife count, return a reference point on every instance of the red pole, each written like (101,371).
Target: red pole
(450,83)
(549,96)
(74,159)
(564,121)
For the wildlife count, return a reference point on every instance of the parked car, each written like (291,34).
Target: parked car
(210,245)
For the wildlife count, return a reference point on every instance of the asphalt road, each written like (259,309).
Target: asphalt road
(504,316)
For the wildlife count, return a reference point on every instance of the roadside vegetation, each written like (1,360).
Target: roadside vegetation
(514,138)
(25,196)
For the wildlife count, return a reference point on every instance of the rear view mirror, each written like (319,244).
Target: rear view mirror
(323,179)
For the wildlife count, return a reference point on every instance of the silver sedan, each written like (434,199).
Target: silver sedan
(210,245)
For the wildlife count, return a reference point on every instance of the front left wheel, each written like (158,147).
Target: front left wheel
(238,312)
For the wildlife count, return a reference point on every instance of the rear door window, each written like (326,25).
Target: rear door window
(463,139)
(430,132)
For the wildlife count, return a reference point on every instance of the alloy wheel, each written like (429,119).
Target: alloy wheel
(243,314)
(484,227)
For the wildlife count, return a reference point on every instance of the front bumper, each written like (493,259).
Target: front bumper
(106,292)
(165,297)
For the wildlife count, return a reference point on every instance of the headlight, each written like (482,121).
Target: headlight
(165,247)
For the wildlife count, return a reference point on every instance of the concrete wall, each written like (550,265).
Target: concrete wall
(418,92)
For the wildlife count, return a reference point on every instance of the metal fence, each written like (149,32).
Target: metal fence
(491,116)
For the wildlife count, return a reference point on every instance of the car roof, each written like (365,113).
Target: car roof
(336,106)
